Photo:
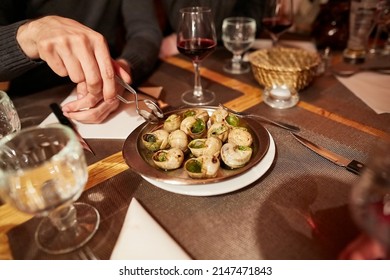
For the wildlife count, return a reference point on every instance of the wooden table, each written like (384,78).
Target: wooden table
(297,210)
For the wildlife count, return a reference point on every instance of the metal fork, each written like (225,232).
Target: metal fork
(262,118)
(153,117)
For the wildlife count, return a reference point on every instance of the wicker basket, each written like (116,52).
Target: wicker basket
(293,67)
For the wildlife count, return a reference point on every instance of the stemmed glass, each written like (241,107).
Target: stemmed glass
(238,35)
(196,39)
(9,119)
(370,197)
(42,172)
(277,18)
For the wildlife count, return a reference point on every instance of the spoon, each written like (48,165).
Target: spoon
(150,117)
(350,70)
(262,118)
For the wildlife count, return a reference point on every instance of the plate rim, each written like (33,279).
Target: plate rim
(135,160)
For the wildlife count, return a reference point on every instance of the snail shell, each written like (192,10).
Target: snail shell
(178,139)
(235,156)
(172,123)
(240,136)
(155,140)
(197,113)
(208,147)
(202,167)
(220,130)
(194,127)
(168,159)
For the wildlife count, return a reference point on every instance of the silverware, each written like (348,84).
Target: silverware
(65,121)
(353,165)
(287,126)
(153,117)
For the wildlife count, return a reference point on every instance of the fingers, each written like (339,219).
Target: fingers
(74,50)
(363,248)
(94,115)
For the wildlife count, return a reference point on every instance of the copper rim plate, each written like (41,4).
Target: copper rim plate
(138,158)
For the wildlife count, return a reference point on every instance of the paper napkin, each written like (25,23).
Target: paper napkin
(372,88)
(142,238)
(118,126)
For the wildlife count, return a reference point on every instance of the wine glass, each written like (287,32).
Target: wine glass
(277,18)
(42,172)
(196,39)
(238,35)
(370,196)
(9,119)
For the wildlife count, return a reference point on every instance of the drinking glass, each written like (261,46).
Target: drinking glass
(277,18)
(196,39)
(238,35)
(381,45)
(9,119)
(370,197)
(42,172)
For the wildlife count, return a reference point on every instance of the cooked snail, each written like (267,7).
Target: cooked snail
(208,147)
(178,139)
(220,130)
(172,122)
(235,156)
(197,113)
(193,127)
(240,136)
(168,159)
(156,140)
(202,167)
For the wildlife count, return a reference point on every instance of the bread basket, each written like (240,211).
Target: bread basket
(292,67)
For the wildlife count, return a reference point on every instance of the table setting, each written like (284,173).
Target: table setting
(288,201)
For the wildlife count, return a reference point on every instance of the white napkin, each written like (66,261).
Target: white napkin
(118,126)
(142,238)
(372,88)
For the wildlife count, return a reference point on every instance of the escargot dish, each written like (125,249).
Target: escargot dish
(196,146)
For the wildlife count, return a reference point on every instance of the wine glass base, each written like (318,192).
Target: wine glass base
(280,97)
(241,68)
(53,241)
(189,98)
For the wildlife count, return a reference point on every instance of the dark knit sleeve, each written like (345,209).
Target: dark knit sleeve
(13,61)
(143,37)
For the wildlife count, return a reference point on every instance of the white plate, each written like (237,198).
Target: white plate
(226,186)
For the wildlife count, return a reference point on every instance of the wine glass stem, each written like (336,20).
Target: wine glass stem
(236,61)
(64,218)
(198,92)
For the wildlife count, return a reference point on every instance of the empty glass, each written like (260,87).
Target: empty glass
(9,119)
(42,172)
(238,35)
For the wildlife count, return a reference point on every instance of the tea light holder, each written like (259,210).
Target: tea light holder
(280,96)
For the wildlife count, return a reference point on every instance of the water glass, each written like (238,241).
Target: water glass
(238,35)
(9,119)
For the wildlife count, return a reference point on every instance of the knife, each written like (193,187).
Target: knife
(353,166)
(65,121)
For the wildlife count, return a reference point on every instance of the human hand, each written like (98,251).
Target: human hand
(168,46)
(89,108)
(363,248)
(71,49)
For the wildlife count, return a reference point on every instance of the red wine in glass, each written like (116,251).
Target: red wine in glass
(196,49)
(278,17)
(277,25)
(196,39)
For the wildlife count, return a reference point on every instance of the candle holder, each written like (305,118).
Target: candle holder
(280,96)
